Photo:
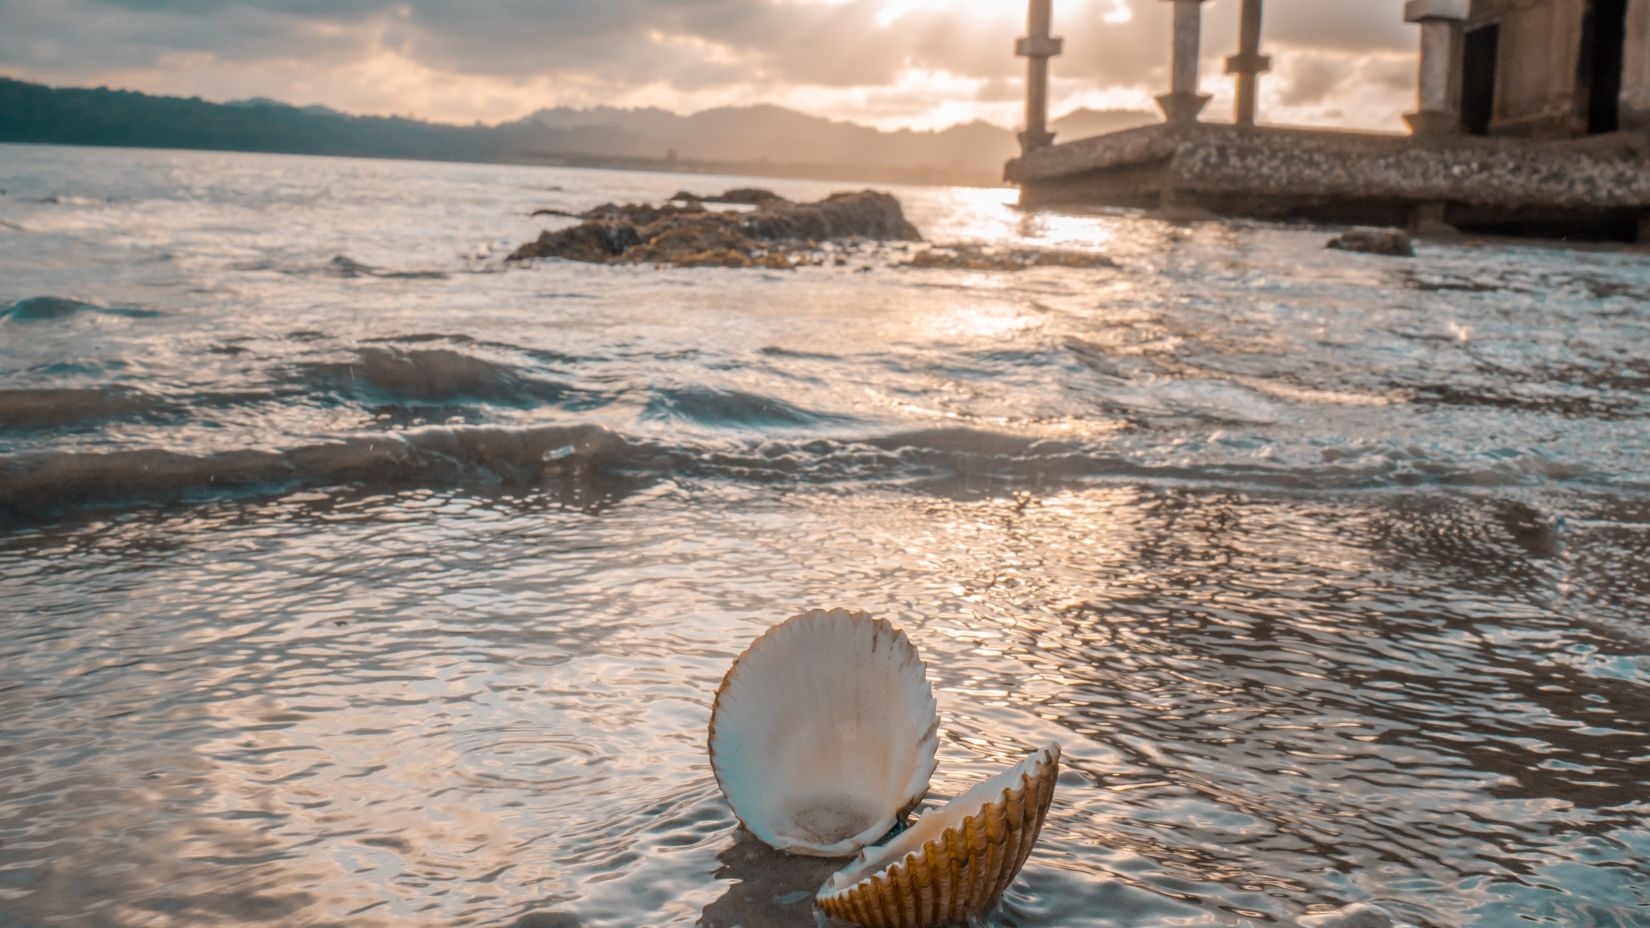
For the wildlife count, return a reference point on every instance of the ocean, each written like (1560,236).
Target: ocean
(351,575)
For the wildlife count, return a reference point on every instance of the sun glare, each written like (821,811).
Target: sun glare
(895,10)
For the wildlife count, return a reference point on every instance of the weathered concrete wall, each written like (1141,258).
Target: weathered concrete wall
(1284,173)
(1535,86)
(1537,92)
(1508,176)
(1635,77)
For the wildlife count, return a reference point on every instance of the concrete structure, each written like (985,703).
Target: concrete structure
(1182,103)
(1532,117)
(1248,64)
(1037,47)
(1440,21)
(1550,69)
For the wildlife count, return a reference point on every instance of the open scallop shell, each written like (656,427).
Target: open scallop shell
(823,733)
(953,863)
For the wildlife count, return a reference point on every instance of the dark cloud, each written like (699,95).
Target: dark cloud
(684,45)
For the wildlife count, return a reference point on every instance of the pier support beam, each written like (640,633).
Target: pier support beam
(1183,103)
(1429,220)
(1248,64)
(1037,48)
(1441,22)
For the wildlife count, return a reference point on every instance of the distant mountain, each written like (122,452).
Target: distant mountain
(776,134)
(762,140)
(1082,123)
(265,101)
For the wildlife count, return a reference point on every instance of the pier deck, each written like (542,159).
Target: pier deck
(1592,187)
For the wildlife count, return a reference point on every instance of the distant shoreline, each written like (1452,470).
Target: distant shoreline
(770,170)
(757,141)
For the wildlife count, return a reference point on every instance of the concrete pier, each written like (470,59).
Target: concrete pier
(1248,64)
(1183,103)
(1440,21)
(1595,188)
(1037,47)
(1584,173)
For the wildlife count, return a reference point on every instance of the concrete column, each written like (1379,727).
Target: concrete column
(1248,64)
(1635,68)
(1037,48)
(1441,22)
(1182,103)
(1430,220)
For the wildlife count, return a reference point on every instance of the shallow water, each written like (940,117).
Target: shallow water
(351,577)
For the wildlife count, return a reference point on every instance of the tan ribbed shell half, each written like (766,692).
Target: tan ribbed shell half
(955,862)
(823,733)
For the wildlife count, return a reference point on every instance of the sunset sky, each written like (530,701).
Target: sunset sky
(891,63)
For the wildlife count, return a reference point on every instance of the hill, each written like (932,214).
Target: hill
(762,140)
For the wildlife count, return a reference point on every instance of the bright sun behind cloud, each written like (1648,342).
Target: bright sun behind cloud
(921,64)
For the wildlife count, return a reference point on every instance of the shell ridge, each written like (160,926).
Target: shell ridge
(952,900)
(1020,806)
(908,896)
(963,871)
(928,896)
(1013,811)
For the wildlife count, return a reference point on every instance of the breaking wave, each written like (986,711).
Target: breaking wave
(57,407)
(345,266)
(709,406)
(429,375)
(957,460)
(47,308)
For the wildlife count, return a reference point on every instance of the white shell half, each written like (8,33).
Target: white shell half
(953,863)
(823,733)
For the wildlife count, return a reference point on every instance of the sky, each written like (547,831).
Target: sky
(922,64)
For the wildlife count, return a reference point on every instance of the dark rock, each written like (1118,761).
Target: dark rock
(588,241)
(749,196)
(868,214)
(672,240)
(692,236)
(1372,242)
(741,196)
(639,214)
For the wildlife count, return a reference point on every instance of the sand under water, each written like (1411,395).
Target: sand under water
(353,575)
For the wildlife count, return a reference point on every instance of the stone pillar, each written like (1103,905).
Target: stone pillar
(1037,48)
(1248,64)
(1182,103)
(1441,22)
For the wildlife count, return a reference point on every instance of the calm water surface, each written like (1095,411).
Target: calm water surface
(353,578)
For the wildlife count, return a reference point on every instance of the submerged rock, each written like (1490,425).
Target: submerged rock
(1372,242)
(771,235)
(980,258)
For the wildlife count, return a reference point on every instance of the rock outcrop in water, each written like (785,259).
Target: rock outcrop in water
(1374,242)
(685,234)
(746,196)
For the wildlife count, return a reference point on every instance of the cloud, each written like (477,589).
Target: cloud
(1313,78)
(507,57)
